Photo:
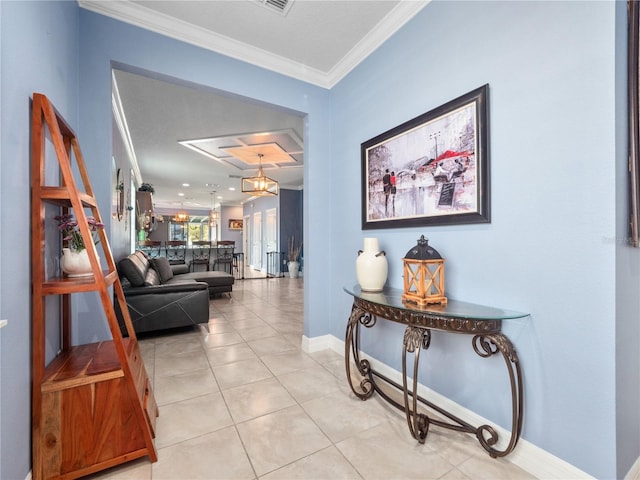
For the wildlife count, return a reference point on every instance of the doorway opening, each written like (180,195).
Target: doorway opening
(159,112)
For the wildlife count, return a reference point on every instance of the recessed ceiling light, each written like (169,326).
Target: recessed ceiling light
(186,185)
(233,189)
(181,194)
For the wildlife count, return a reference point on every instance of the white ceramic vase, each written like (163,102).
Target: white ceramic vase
(293,269)
(75,264)
(371,266)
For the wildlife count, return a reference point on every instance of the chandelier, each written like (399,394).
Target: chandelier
(214,216)
(182,216)
(259,185)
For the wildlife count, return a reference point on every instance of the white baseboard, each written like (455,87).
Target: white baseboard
(634,473)
(315,344)
(529,457)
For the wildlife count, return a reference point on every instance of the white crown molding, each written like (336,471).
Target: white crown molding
(165,25)
(123,128)
(148,19)
(401,14)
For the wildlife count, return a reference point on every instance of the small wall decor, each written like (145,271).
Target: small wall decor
(119,196)
(235,224)
(431,170)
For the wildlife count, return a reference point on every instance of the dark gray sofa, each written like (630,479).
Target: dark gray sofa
(219,282)
(159,297)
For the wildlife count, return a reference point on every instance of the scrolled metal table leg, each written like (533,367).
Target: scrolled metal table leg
(486,346)
(415,339)
(352,348)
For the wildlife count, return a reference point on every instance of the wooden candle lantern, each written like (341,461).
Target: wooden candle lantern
(423,275)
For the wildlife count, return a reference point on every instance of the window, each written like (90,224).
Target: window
(198,231)
(177,231)
(195,230)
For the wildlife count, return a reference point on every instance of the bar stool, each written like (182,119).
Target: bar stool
(201,254)
(176,252)
(153,248)
(238,264)
(224,255)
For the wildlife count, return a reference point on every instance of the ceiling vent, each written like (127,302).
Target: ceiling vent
(280,6)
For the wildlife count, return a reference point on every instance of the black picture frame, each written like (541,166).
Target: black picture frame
(440,162)
(634,122)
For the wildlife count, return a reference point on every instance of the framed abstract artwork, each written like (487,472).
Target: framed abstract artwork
(431,170)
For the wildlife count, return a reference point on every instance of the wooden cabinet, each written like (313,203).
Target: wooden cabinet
(92,405)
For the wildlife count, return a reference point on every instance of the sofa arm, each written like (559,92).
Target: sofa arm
(180,268)
(166,288)
(163,310)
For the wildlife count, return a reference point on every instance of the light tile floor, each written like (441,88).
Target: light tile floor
(239,399)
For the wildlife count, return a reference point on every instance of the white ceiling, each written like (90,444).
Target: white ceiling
(317,41)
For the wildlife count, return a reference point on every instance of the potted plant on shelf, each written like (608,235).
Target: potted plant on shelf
(294,255)
(75,261)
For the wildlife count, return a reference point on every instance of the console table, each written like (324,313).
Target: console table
(484,323)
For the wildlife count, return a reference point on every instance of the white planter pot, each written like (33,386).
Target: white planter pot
(371,266)
(293,269)
(75,264)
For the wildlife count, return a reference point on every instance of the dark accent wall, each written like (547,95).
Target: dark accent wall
(290,218)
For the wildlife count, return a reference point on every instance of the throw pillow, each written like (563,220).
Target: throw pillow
(152,278)
(162,266)
(134,268)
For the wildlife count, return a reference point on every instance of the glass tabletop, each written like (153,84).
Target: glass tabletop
(392,297)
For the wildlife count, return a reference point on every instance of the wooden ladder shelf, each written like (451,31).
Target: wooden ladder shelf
(92,406)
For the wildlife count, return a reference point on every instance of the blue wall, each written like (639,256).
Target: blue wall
(555,247)
(39,54)
(548,250)
(627,277)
